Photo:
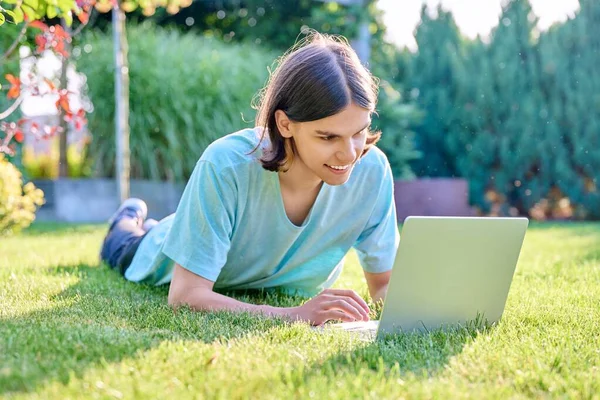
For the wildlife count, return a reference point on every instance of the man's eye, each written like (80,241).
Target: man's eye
(327,138)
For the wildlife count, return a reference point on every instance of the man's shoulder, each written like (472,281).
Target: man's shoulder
(235,149)
(373,164)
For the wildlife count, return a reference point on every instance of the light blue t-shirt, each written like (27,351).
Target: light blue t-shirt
(231,227)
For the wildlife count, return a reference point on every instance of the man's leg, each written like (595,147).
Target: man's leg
(124,235)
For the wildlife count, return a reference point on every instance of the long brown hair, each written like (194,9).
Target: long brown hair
(315,79)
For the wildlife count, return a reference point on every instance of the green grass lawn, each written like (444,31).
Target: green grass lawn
(70,328)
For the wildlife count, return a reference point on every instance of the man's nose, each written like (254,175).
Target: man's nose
(347,151)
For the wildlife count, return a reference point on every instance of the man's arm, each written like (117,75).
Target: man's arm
(193,290)
(331,304)
(378,284)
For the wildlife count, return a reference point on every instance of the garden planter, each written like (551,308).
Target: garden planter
(432,197)
(95,200)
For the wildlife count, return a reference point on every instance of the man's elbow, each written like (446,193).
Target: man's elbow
(189,289)
(197,298)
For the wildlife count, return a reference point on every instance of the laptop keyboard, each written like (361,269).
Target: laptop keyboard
(368,326)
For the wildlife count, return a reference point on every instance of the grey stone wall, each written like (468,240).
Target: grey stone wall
(95,200)
(432,197)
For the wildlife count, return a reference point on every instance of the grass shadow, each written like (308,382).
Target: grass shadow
(101,318)
(421,354)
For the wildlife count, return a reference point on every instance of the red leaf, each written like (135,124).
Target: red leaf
(38,25)
(13,92)
(83,17)
(13,80)
(15,88)
(19,136)
(79,124)
(60,48)
(63,101)
(60,33)
(41,41)
(50,84)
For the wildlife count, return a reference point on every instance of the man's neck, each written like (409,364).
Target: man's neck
(297,179)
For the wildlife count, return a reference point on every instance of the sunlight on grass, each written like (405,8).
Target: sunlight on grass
(71,327)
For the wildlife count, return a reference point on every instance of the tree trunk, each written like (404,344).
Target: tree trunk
(63,160)
(121,103)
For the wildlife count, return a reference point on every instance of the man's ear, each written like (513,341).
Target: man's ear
(284,124)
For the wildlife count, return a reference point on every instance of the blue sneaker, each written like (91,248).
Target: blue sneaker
(133,208)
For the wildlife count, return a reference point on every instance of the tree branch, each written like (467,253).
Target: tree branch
(93,14)
(11,109)
(14,44)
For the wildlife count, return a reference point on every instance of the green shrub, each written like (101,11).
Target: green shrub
(394,119)
(516,115)
(185,92)
(18,203)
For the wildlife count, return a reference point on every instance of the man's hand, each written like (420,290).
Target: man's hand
(332,304)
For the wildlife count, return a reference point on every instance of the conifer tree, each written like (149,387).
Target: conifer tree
(513,128)
(433,84)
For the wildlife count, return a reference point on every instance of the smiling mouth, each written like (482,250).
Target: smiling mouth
(339,167)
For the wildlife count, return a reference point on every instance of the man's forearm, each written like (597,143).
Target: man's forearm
(379,294)
(378,284)
(206,300)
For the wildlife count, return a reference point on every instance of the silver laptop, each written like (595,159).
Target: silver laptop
(448,272)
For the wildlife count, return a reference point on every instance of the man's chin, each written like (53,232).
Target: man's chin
(337,181)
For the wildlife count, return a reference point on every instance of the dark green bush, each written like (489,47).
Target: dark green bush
(394,119)
(518,115)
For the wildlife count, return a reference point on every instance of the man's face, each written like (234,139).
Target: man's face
(328,148)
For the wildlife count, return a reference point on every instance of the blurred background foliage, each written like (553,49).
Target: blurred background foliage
(516,114)
(186,91)
(193,75)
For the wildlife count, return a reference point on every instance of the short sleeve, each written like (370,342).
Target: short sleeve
(200,236)
(377,244)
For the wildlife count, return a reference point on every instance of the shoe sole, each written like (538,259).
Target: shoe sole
(134,203)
